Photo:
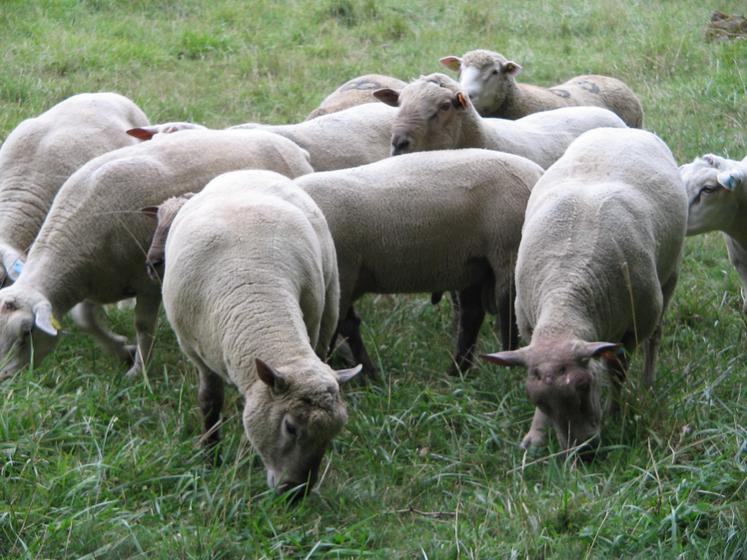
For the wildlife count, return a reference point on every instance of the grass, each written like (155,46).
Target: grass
(94,466)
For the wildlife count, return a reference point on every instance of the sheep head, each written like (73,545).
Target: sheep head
(155,260)
(291,419)
(486,76)
(28,329)
(713,185)
(428,117)
(563,383)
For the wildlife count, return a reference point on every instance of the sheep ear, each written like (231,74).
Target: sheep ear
(345,375)
(143,132)
(271,377)
(44,319)
(730,180)
(388,96)
(452,63)
(460,101)
(511,68)
(151,211)
(13,264)
(509,358)
(608,350)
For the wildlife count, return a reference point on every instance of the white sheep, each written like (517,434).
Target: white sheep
(252,293)
(434,114)
(597,265)
(428,222)
(42,152)
(92,245)
(355,92)
(716,189)
(490,81)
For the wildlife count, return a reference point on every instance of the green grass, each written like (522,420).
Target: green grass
(94,466)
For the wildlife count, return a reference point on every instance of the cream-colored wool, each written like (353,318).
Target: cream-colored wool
(357,91)
(92,245)
(435,114)
(251,273)
(490,81)
(597,265)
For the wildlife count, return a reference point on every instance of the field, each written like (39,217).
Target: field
(95,466)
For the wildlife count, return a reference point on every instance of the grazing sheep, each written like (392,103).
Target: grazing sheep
(715,189)
(92,245)
(164,213)
(490,81)
(148,132)
(597,266)
(41,153)
(434,114)
(355,92)
(428,222)
(251,280)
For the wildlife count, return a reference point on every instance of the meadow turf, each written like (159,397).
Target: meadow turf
(95,466)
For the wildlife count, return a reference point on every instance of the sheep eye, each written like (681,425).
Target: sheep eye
(707,189)
(445,106)
(494,72)
(561,370)
(290,428)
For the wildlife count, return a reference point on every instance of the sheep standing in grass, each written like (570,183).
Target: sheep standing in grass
(251,290)
(428,222)
(597,266)
(490,81)
(355,92)
(92,245)
(41,153)
(716,190)
(434,114)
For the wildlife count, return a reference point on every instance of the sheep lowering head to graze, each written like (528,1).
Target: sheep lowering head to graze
(355,92)
(93,242)
(490,81)
(716,190)
(164,214)
(597,265)
(435,114)
(251,291)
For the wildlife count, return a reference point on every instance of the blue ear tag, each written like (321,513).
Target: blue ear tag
(731,183)
(15,269)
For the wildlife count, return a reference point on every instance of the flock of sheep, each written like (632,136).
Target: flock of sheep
(537,205)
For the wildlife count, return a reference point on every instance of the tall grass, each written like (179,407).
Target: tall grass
(95,466)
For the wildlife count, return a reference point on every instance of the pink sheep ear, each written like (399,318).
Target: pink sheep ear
(607,350)
(151,211)
(143,132)
(460,100)
(510,358)
(452,63)
(345,375)
(511,68)
(388,96)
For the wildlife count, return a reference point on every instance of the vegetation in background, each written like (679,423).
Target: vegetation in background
(95,466)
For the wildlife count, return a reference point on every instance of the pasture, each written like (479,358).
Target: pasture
(95,466)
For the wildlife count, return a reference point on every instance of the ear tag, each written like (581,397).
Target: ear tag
(55,323)
(15,269)
(731,183)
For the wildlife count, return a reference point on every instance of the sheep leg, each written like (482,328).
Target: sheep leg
(87,316)
(349,328)
(651,346)
(471,316)
(210,397)
(535,437)
(738,257)
(146,315)
(506,322)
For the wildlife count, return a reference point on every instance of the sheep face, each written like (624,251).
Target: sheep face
(291,423)
(712,185)
(155,260)
(28,331)
(428,117)
(563,382)
(486,76)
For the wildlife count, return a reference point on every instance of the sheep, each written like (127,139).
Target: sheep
(490,81)
(355,92)
(164,214)
(597,265)
(42,152)
(148,132)
(434,114)
(91,247)
(251,280)
(428,222)
(715,188)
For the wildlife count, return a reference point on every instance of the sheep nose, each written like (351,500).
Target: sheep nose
(400,144)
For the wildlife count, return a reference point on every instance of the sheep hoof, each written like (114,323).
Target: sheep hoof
(532,440)
(133,373)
